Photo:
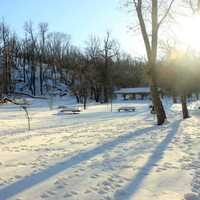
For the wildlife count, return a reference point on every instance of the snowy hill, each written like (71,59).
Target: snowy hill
(22,81)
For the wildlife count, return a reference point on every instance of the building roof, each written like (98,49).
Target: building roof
(136,90)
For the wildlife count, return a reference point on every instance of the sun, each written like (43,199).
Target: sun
(189,33)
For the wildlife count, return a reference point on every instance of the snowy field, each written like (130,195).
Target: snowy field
(99,155)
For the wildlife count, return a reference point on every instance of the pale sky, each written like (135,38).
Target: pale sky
(79,18)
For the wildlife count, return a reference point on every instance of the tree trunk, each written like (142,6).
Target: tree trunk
(41,79)
(85,101)
(97,95)
(34,81)
(105,92)
(184,106)
(77,98)
(159,109)
(151,50)
(24,70)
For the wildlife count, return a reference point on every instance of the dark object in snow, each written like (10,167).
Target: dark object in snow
(3,101)
(63,94)
(62,107)
(129,109)
(152,109)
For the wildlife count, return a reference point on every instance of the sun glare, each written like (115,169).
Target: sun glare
(189,33)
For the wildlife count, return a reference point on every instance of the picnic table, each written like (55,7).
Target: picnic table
(127,108)
(70,111)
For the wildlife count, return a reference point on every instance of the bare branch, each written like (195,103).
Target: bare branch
(166,13)
(138,7)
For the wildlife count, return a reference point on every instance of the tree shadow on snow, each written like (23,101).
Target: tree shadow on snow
(129,191)
(30,181)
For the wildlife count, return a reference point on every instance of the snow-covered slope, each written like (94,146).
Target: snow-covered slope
(51,83)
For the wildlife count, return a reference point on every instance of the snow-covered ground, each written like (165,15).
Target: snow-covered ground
(99,155)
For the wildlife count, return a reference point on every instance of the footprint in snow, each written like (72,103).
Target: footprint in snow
(44,196)
(52,193)
(18,177)
(195,182)
(60,186)
(66,195)
(87,191)
(74,193)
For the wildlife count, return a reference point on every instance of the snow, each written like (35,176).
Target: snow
(98,154)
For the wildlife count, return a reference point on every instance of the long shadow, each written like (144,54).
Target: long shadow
(130,190)
(27,182)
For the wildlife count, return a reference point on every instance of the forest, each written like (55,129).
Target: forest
(43,62)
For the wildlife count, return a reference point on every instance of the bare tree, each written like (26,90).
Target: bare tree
(194,5)
(43,28)
(175,67)
(92,51)
(32,48)
(5,52)
(101,54)
(58,46)
(108,52)
(151,45)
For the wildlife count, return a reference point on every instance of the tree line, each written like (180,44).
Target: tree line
(41,60)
